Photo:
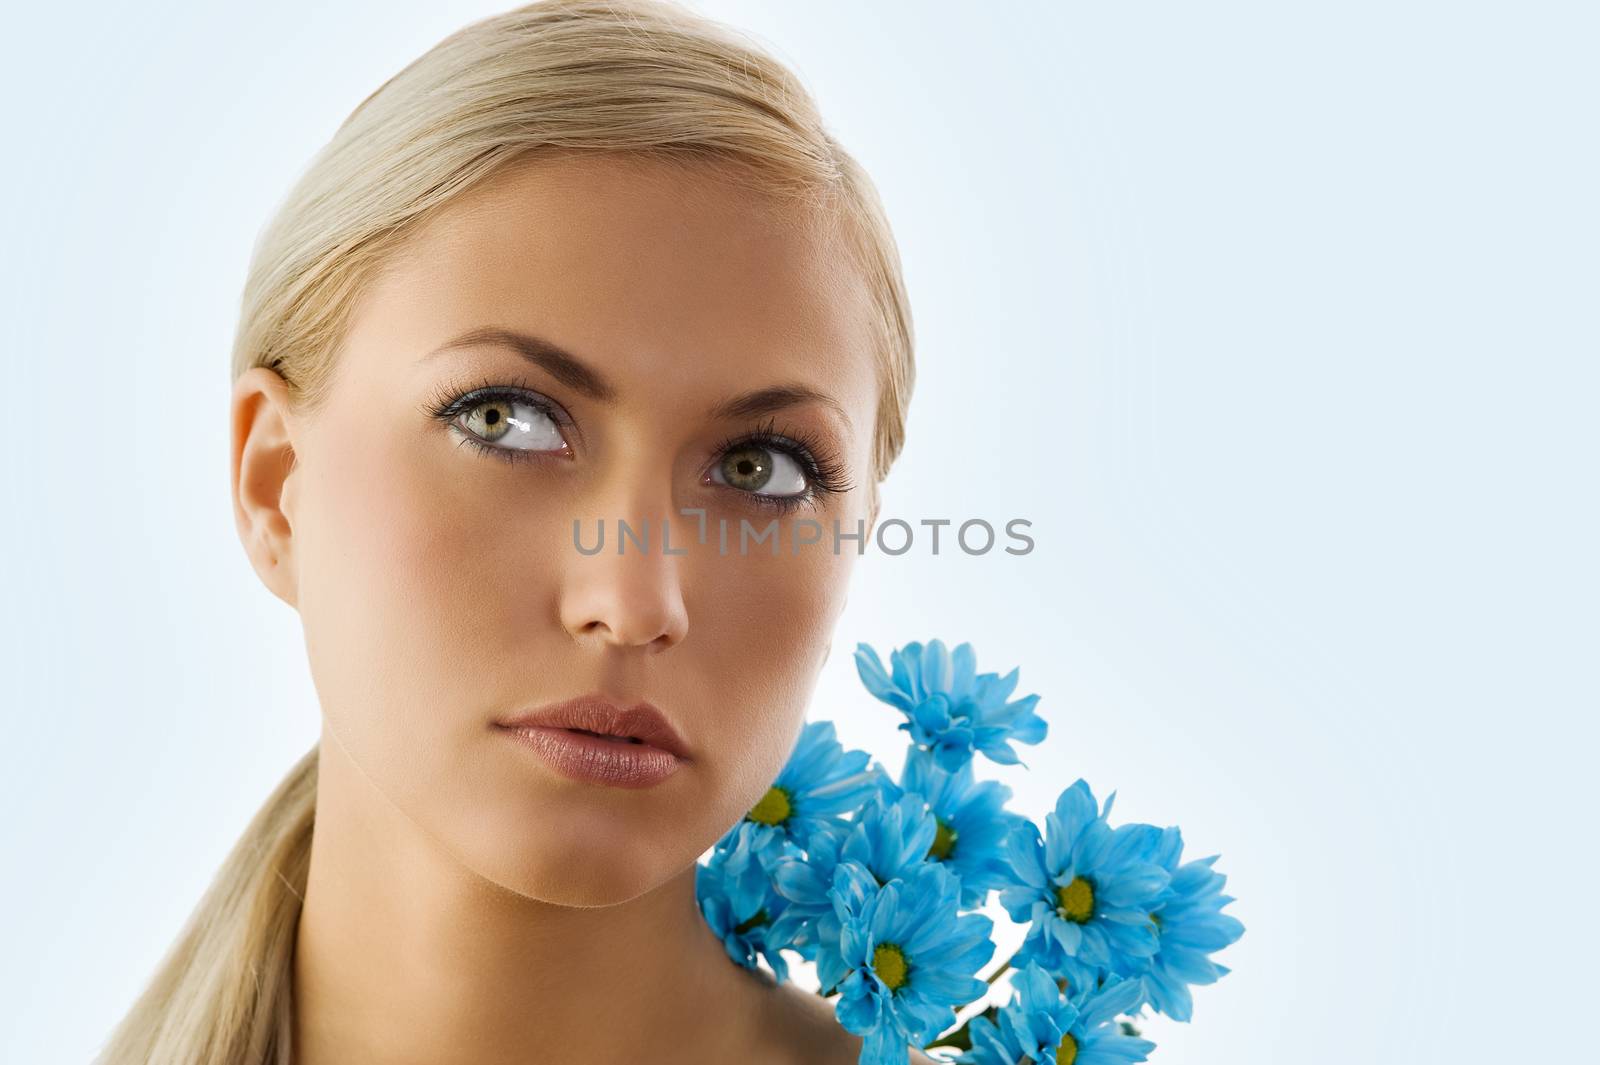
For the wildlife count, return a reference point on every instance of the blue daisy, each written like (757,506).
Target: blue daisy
(746,934)
(1087,892)
(951,709)
(1044,1026)
(820,781)
(907,958)
(1189,925)
(808,918)
(970,820)
(745,857)
(889,839)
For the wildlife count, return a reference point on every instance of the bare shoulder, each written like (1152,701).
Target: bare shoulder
(803,1026)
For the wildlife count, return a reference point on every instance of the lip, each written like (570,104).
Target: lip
(559,732)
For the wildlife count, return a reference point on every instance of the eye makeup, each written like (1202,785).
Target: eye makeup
(825,474)
(450,403)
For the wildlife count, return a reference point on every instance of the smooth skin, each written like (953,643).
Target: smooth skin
(466,904)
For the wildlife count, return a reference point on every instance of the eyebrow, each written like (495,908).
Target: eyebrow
(576,374)
(558,363)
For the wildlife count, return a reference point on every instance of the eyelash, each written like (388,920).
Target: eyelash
(449,403)
(825,474)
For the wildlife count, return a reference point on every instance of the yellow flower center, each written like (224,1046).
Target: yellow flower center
(1067,1052)
(1075,902)
(773,809)
(944,841)
(890,965)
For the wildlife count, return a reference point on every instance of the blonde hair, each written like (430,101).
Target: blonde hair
(636,77)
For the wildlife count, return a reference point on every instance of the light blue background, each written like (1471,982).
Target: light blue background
(1277,320)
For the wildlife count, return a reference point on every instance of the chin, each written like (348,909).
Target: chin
(574,857)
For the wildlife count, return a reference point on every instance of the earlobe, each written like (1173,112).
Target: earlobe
(262,462)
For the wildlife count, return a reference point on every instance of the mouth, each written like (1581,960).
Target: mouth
(596,716)
(592,757)
(605,736)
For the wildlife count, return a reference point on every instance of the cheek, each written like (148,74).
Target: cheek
(395,597)
(763,626)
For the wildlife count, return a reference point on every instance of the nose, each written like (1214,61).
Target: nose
(632,599)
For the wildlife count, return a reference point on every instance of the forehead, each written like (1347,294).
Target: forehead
(672,280)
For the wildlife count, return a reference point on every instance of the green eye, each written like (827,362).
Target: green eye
(760,471)
(522,426)
(748,468)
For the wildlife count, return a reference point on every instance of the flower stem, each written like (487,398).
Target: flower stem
(998,972)
(959,1039)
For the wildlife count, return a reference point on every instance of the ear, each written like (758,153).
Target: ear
(262,466)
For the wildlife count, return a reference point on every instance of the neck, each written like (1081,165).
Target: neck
(404,956)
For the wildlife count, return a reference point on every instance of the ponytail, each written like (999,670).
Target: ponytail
(223,993)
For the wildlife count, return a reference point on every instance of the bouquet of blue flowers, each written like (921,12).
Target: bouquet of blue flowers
(871,879)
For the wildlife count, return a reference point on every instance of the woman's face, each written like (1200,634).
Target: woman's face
(440,586)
